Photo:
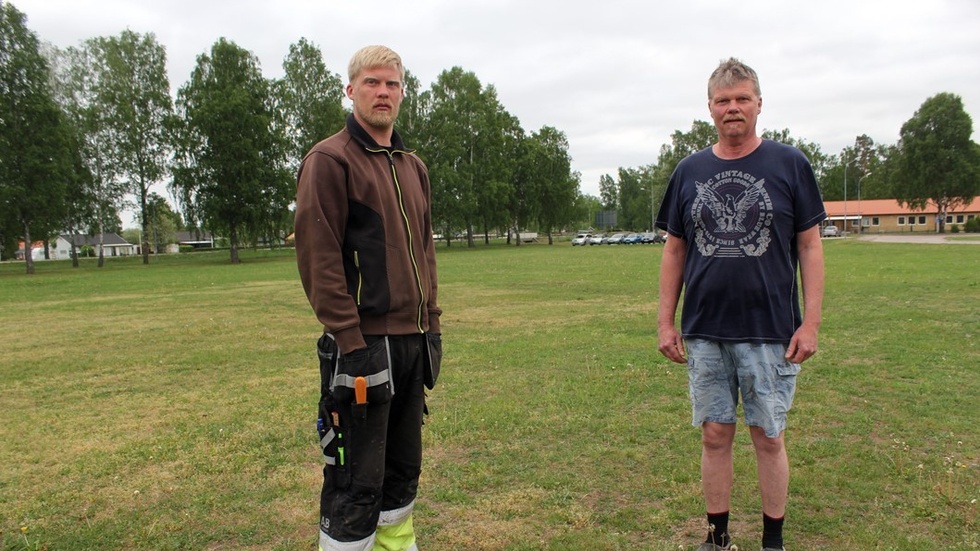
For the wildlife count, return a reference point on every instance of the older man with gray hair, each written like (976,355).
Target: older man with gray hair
(742,215)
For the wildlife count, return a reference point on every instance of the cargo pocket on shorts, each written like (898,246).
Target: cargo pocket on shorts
(787,369)
(785,386)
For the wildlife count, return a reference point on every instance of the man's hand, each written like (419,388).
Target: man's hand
(803,345)
(671,344)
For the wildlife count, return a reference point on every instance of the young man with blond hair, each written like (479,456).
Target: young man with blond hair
(366,258)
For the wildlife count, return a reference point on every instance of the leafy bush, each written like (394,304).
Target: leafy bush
(955,228)
(972,225)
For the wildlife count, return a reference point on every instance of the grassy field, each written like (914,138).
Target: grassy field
(172,406)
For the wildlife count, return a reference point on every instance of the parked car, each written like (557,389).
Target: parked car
(597,239)
(652,237)
(581,239)
(633,238)
(615,239)
(831,231)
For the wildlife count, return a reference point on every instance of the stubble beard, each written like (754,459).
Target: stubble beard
(379,120)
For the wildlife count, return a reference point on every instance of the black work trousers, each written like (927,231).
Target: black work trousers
(372,452)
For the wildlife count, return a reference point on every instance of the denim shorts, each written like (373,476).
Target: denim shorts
(719,371)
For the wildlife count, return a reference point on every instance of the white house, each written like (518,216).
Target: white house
(112,245)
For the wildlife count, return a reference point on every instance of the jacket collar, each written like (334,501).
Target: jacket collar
(365,139)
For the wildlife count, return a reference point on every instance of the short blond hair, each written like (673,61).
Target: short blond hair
(731,72)
(374,56)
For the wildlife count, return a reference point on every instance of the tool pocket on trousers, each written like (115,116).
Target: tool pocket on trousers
(333,434)
(433,359)
(373,364)
(326,352)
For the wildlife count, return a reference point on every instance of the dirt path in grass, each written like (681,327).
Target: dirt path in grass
(933,238)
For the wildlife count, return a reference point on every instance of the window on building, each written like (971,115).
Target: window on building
(901,220)
(949,219)
(959,218)
(922,220)
(875,221)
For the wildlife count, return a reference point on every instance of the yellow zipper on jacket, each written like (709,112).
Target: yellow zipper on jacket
(360,277)
(408,231)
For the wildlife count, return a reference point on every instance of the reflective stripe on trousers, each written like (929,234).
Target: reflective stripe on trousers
(396,532)
(329,544)
(368,544)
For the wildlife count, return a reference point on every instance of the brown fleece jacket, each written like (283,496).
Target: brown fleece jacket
(364,238)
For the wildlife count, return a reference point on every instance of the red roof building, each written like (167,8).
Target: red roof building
(887,216)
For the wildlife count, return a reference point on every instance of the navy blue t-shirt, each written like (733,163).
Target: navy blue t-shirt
(739,219)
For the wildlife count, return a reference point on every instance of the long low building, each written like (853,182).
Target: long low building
(60,248)
(888,216)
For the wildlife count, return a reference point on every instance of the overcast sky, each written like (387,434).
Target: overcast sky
(616,76)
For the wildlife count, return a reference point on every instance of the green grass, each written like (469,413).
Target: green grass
(974,237)
(171,407)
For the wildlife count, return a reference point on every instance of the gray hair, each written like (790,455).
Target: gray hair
(731,72)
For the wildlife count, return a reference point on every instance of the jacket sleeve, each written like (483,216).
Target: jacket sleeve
(321,219)
(432,303)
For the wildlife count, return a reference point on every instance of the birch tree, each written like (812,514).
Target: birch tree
(235,170)
(132,97)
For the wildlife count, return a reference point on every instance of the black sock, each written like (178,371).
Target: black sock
(772,532)
(718,529)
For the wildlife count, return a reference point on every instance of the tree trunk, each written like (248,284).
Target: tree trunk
(101,247)
(233,238)
(144,225)
(28,256)
(943,208)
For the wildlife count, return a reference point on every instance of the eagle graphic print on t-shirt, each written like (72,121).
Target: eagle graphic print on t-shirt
(732,215)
